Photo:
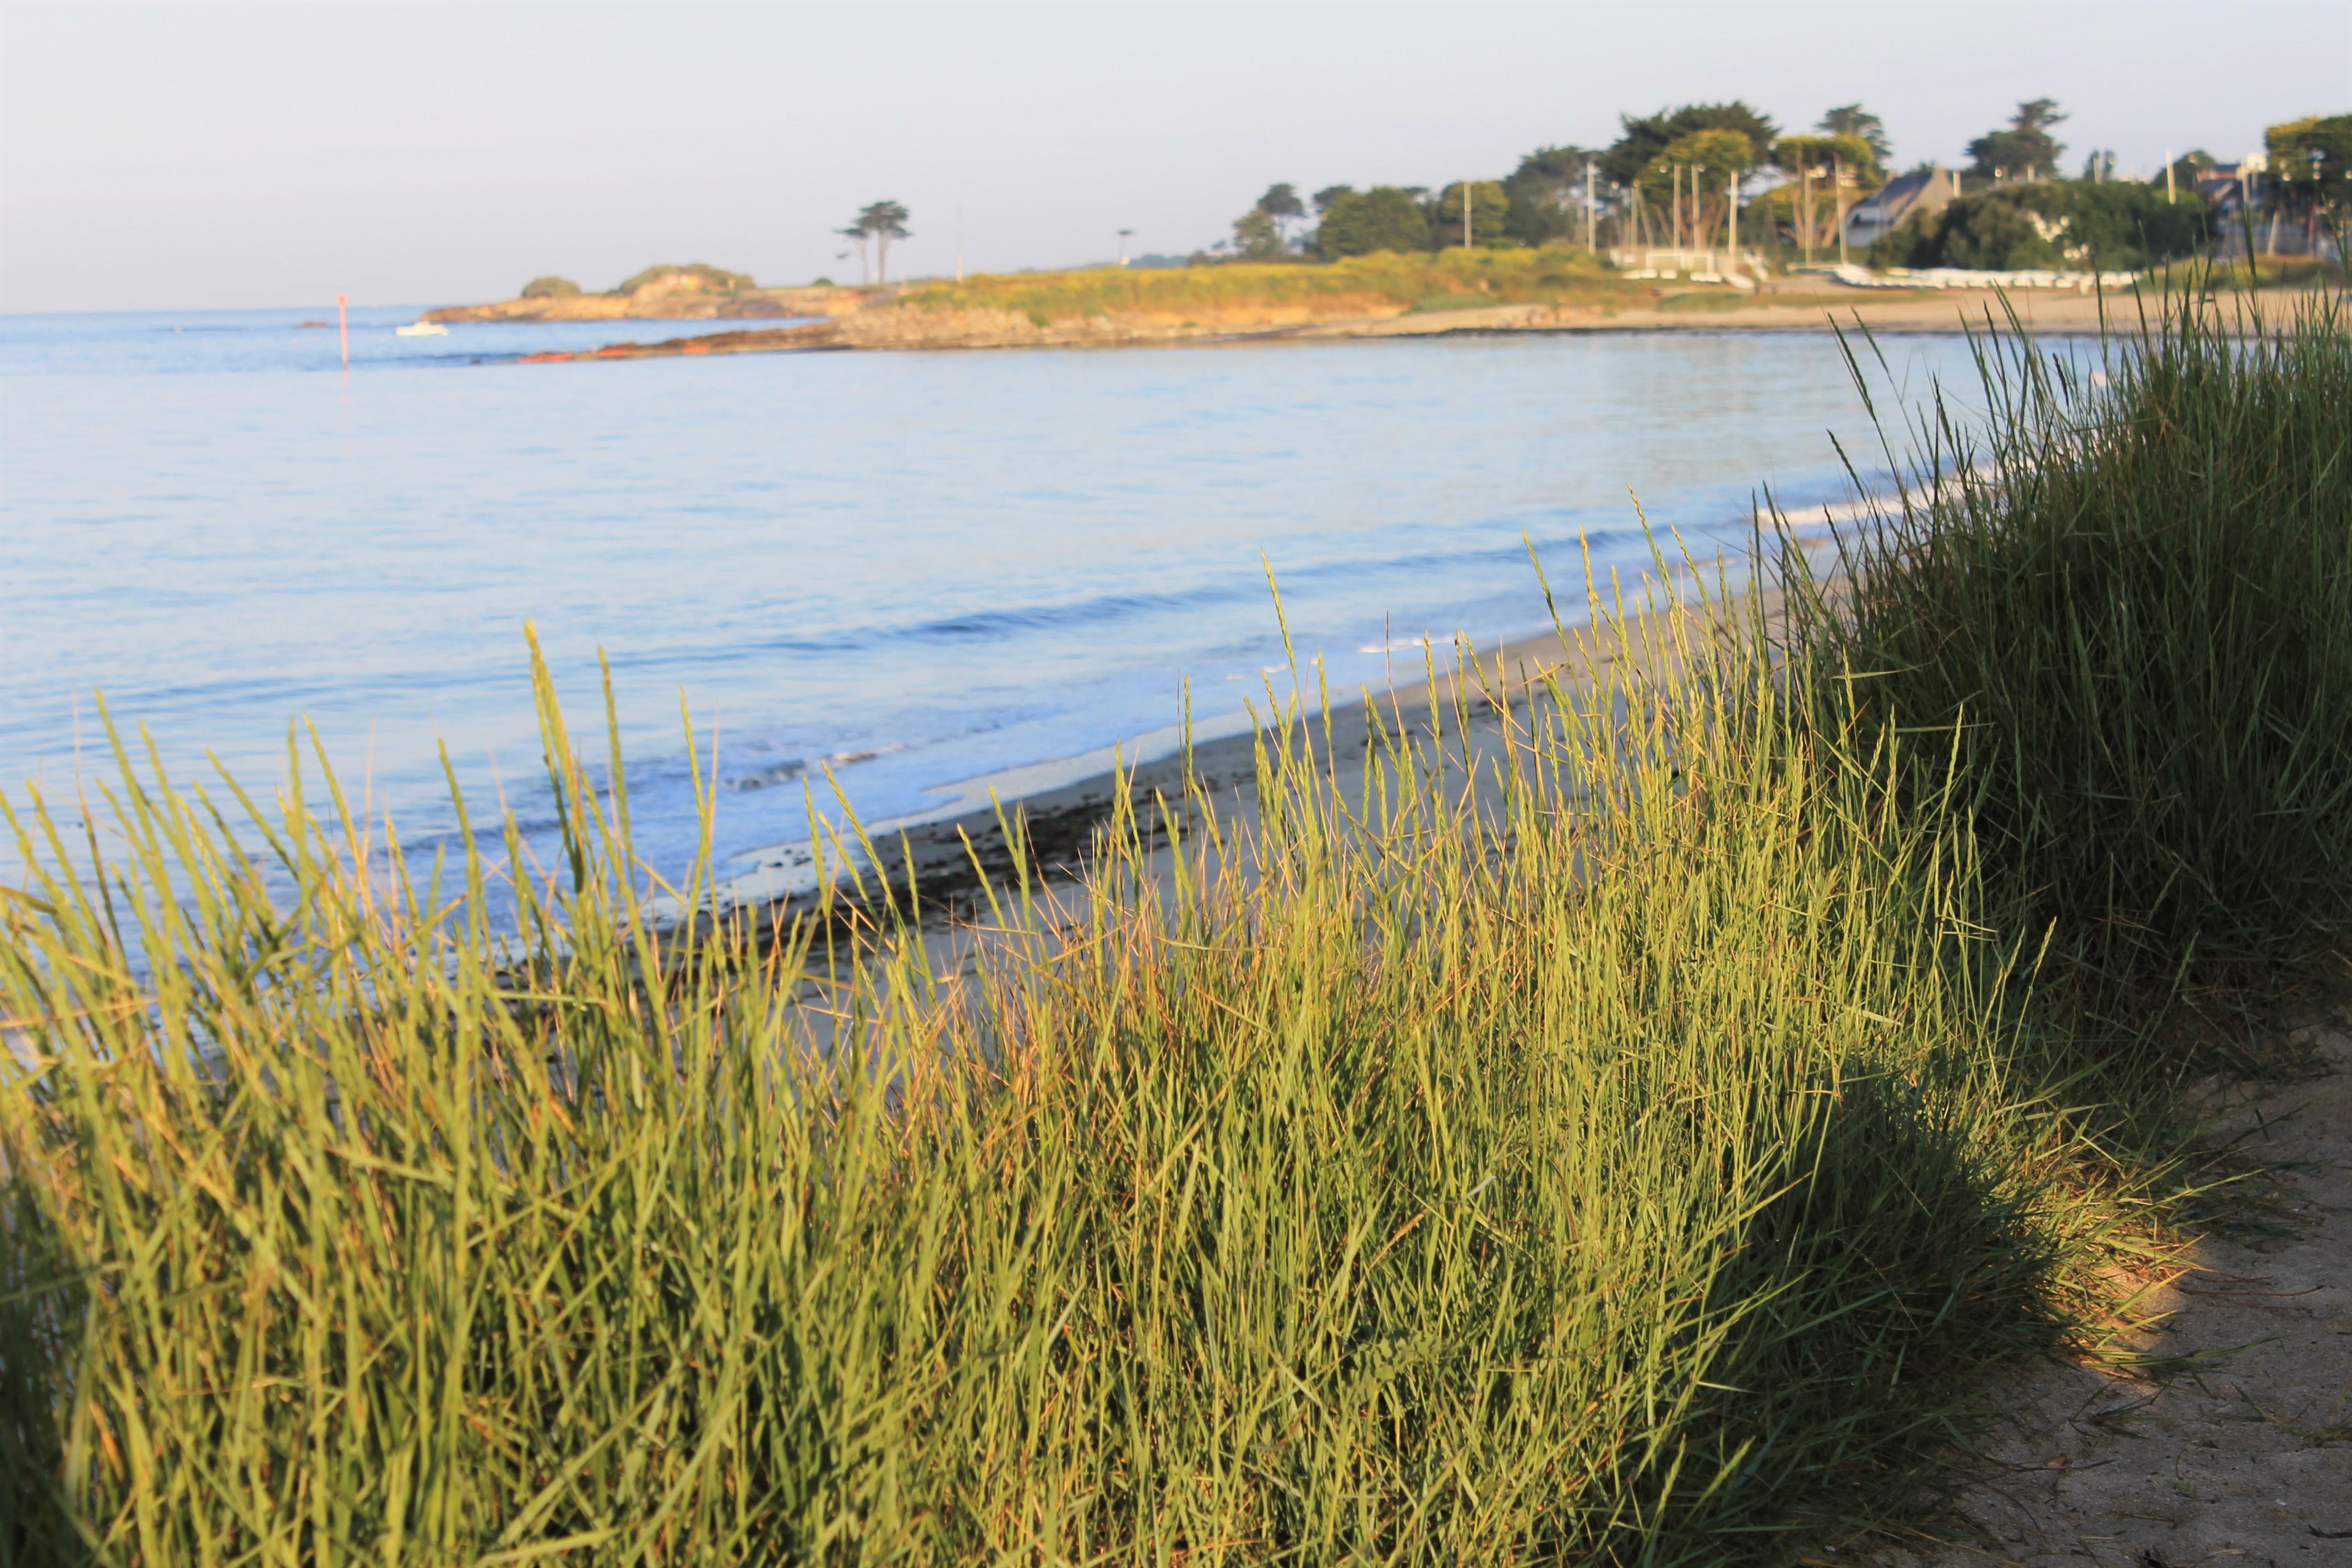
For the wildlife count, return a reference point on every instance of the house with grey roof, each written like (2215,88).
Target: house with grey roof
(1885,209)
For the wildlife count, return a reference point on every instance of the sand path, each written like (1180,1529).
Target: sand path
(2233,1443)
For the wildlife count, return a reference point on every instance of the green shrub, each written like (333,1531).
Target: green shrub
(549,288)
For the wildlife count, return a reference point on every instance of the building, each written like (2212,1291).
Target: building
(2226,187)
(1885,209)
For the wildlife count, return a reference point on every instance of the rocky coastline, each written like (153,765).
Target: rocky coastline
(890,324)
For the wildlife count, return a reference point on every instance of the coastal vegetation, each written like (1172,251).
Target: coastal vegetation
(696,276)
(1360,222)
(875,226)
(1689,179)
(1685,179)
(2054,224)
(2024,149)
(1618,1140)
(2311,158)
(1385,278)
(1672,179)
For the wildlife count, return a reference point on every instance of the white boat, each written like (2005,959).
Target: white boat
(423,329)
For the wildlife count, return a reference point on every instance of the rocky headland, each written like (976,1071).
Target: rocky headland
(688,293)
(888,323)
(1364,297)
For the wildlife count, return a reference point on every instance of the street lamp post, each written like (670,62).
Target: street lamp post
(1731,194)
(2311,222)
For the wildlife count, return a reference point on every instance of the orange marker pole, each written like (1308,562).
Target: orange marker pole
(343,323)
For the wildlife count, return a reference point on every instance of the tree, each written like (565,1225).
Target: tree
(886,221)
(1836,166)
(1686,167)
(1647,136)
(2100,165)
(2026,150)
(549,288)
(1324,200)
(2191,167)
(1263,233)
(856,233)
(1488,214)
(1359,223)
(1547,191)
(1256,237)
(1852,120)
(2311,165)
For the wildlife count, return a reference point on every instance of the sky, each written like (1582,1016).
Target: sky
(187,156)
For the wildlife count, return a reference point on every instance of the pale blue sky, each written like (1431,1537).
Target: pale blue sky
(186,155)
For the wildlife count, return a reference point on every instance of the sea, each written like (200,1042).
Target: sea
(865,580)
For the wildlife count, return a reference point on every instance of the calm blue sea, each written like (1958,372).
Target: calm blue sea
(918,567)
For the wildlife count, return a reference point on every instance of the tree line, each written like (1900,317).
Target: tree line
(1691,177)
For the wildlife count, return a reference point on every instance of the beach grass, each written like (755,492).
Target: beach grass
(2122,580)
(1619,1149)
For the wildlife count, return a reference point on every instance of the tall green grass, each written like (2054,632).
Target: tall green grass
(2125,584)
(1614,1145)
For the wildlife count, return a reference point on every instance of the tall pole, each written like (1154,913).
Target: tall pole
(343,327)
(1805,205)
(1466,215)
(1731,192)
(2170,196)
(1588,243)
(1122,244)
(1837,163)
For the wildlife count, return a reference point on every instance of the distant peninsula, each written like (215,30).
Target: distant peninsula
(1386,294)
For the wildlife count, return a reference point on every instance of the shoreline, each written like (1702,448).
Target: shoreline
(1950,313)
(1060,800)
(1057,804)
